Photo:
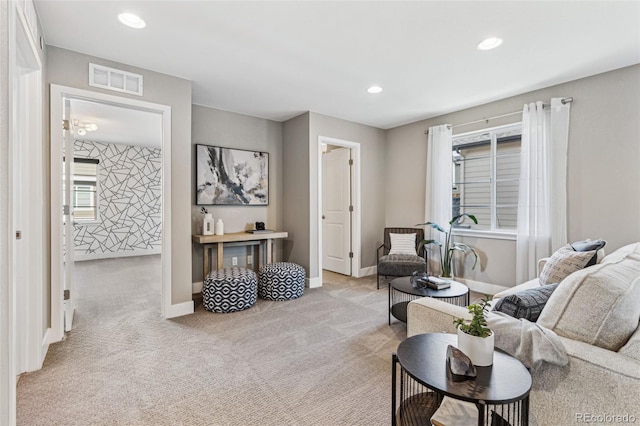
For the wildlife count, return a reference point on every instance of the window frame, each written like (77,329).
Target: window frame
(78,181)
(493,232)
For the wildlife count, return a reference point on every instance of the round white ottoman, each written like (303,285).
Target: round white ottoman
(281,281)
(230,290)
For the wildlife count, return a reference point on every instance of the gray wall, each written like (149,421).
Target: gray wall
(295,187)
(372,150)
(68,68)
(231,130)
(603,176)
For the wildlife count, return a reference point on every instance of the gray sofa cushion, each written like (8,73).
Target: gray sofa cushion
(599,305)
(400,265)
(527,304)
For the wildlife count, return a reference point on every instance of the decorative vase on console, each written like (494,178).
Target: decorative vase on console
(207,223)
(475,339)
(219,227)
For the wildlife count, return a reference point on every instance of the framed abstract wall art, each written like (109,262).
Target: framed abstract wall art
(226,176)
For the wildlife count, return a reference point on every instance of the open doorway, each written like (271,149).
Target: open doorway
(339,206)
(112,200)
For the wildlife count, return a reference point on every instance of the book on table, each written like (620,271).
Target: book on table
(438,283)
(260,231)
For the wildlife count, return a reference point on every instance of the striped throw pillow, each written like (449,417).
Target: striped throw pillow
(403,244)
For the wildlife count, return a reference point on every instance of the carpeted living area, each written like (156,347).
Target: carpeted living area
(322,359)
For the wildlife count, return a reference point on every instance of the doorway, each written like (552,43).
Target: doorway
(81,140)
(339,203)
(337,208)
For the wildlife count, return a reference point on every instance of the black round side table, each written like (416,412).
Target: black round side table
(401,292)
(500,392)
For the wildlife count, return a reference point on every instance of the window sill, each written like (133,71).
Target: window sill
(477,233)
(86,223)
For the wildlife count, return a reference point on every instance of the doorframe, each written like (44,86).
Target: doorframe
(355,194)
(58,93)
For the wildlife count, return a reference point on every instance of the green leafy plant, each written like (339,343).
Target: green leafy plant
(449,247)
(477,326)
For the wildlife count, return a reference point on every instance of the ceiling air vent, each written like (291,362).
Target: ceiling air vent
(113,79)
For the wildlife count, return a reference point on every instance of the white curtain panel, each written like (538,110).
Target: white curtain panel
(542,203)
(439,180)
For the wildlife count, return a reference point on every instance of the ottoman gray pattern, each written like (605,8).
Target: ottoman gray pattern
(281,281)
(230,290)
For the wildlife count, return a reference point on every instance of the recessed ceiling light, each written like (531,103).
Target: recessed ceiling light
(374,89)
(489,43)
(131,20)
(82,132)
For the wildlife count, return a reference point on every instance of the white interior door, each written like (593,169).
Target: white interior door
(67,217)
(336,214)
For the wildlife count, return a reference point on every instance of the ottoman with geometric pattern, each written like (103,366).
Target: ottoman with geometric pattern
(229,290)
(281,281)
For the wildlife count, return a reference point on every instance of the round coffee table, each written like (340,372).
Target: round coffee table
(499,391)
(401,292)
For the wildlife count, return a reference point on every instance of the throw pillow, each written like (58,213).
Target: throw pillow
(403,244)
(589,245)
(564,262)
(599,305)
(527,304)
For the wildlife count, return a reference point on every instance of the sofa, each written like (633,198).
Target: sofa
(594,312)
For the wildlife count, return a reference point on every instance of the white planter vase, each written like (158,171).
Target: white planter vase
(478,349)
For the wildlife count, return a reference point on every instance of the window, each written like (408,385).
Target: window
(85,189)
(486,176)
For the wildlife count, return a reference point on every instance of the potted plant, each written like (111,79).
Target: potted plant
(449,247)
(475,339)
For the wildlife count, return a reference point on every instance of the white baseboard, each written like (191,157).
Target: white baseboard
(371,270)
(179,309)
(197,287)
(481,287)
(110,255)
(44,347)
(313,282)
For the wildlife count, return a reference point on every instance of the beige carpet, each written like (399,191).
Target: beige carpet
(323,359)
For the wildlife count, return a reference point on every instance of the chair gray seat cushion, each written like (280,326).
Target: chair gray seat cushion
(230,290)
(281,281)
(401,265)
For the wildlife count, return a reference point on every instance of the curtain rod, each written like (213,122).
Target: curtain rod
(486,120)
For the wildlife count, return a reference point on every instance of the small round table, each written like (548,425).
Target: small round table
(401,292)
(500,391)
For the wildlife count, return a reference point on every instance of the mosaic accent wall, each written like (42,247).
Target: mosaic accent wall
(129,191)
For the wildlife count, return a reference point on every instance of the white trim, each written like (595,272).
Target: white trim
(79,257)
(179,309)
(44,347)
(7,324)
(357,203)
(314,282)
(58,93)
(365,272)
(482,287)
(197,287)
(477,233)
(27,130)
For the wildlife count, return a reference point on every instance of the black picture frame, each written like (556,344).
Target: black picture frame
(231,176)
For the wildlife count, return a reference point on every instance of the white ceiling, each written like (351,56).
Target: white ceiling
(117,124)
(278,59)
